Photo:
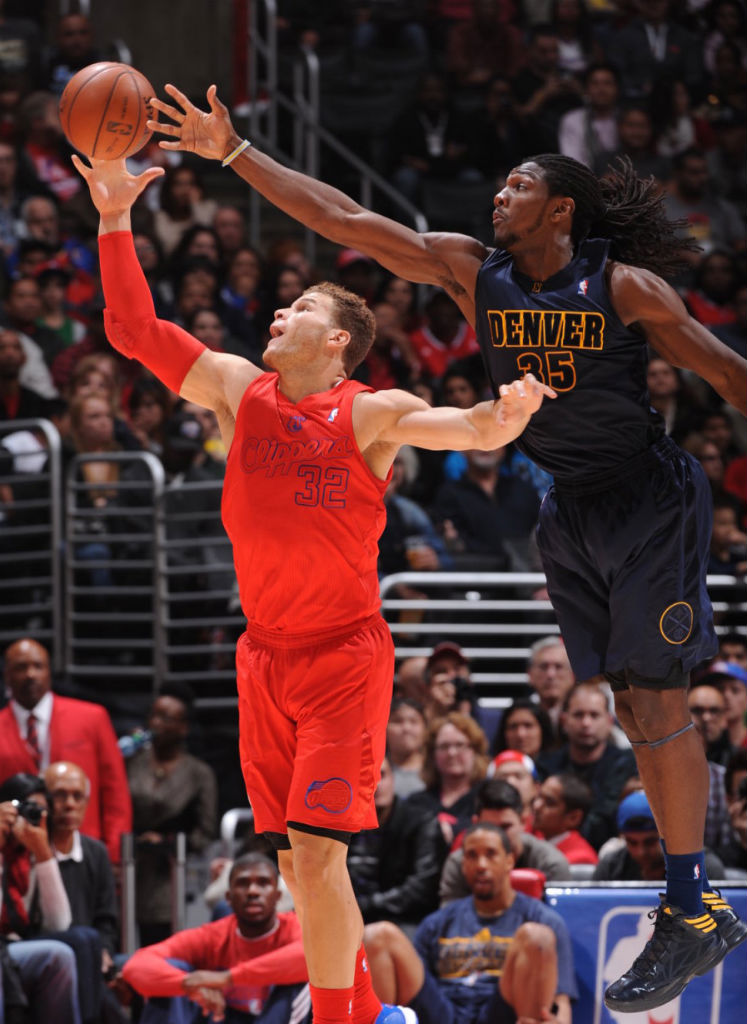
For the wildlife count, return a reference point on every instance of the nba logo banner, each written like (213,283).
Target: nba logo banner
(610,926)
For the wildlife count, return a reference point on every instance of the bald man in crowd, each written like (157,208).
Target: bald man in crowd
(39,727)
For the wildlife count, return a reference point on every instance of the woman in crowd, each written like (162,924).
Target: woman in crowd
(405,740)
(525,727)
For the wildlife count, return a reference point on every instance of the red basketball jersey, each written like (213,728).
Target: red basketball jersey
(303,511)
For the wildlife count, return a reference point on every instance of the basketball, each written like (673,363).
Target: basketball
(104,110)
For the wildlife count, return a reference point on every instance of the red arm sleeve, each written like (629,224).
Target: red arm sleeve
(130,318)
(285,965)
(149,972)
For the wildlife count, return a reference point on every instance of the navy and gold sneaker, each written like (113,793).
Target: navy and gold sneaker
(731,927)
(680,948)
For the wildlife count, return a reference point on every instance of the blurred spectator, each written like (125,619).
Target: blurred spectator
(669,396)
(731,681)
(391,23)
(526,727)
(488,41)
(39,727)
(708,711)
(405,743)
(711,220)
(278,290)
(86,874)
(409,541)
(560,806)
(288,252)
(728,21)
(394,868)
(706,706)
(409,679)
(74,50)
(23,308)
(726,83)
(519,770)
(449,687)
(428,140)
(444,337)
(207,326)
(46,977)
(709,300)
(726,161)
(709,457)
(732,648)
(41,221)
(53,278)
(172,791)
(148,406)
(572,26)
(589,133)
(592,756)
(550,676)
(641,858)
(20,51)
(487,514)
(635,131)
(183,204)
(247,967)
(544,91)
(455,761)
(717,427)
(676,127)
(391,361)
(16,184)
(734,851)
(16,401)
(483,957)
(229,224)
(44,144)
(401,294)
(496,131)
(498,803)
(356,272)
(728,542)
(653,45)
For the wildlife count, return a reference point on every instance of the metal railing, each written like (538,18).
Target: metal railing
(31,534)
(309,134)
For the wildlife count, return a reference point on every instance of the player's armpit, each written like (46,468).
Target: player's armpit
(218,381)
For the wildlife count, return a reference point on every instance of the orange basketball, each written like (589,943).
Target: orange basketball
(104,109)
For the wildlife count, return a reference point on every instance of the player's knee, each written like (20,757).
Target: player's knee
(316,860)
(381,936)
(535,939)
(659,712)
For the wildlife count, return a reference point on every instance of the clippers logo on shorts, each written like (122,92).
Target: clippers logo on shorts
(676,622)
(332,795)
(295,423)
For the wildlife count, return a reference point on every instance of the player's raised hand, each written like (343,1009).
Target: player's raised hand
(113,189)
(206,133)
(521,398)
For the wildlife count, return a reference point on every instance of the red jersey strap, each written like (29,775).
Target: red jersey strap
(130,317)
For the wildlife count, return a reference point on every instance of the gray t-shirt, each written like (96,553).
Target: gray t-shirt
(537,853)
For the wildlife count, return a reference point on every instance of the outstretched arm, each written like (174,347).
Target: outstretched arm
(394,418)
(639,296)
(214,380)
(451,261)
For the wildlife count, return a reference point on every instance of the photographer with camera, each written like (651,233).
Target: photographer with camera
(449,687)
(39,976)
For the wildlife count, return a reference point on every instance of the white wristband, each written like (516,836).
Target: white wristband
(239,149)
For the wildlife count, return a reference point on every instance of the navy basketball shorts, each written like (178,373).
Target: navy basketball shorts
(433,1007)
(626,559)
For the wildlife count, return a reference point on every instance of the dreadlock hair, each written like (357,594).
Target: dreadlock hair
(626,209)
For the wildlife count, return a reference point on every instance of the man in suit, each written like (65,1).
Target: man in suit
(39,727)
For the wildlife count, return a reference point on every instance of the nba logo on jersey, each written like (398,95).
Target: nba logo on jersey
(583,287)
(333,415)
(623,932)
(295,423)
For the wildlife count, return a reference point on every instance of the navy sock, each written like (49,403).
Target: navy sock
(685,876)
(704,874)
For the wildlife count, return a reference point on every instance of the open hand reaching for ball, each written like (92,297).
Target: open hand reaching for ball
(209,134)
(113,189)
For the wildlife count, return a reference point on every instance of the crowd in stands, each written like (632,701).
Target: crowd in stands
(546,790)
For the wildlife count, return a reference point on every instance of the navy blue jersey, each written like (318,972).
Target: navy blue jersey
(567,333)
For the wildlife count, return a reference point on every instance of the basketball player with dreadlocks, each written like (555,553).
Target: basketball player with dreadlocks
(573,292)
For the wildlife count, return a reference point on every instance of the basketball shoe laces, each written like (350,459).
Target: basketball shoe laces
(657,945)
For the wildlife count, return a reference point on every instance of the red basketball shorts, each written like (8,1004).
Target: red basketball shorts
(312,728)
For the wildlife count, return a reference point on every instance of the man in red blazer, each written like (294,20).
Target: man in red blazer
(39,727)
